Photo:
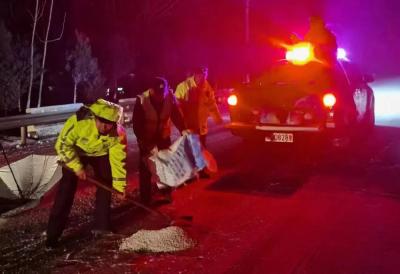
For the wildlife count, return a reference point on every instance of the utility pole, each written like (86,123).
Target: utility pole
(115,31)
(247,38)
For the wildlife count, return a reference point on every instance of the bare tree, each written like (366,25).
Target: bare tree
(15,70)
(46,41)
(5,67)
(84,66)
(35,19)
(22,69)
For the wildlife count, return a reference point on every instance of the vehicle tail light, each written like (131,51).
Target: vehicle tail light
(300,54)
(329,100)
(232,100)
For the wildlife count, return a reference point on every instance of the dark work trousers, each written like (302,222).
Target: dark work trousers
(145,185)
(65,197)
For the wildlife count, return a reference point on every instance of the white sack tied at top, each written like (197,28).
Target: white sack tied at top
(173,166)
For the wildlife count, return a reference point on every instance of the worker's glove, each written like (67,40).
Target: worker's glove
(186,132)
(119,186)
(81,174)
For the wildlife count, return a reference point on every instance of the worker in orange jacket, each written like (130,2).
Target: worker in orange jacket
(196,99)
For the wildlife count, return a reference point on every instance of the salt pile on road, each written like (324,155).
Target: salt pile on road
(168,239)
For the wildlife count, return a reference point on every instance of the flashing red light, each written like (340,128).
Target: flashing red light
(232,100)
(329,100)
(300,54)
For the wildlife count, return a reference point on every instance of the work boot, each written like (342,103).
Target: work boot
(163,196)
(145,200)
(51,244)
(146,192)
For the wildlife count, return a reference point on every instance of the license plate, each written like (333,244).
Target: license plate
(280,138)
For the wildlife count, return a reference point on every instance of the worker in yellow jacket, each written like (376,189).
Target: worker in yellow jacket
(196,99)
(89,137)
(152,115)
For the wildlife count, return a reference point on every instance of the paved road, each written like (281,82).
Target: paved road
(267,211)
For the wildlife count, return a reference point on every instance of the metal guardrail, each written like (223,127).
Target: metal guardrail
(54,108)
(55,114)
(18,121)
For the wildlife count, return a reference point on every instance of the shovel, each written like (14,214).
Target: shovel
(136,203)
(142,206)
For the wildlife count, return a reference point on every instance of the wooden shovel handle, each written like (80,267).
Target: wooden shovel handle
(103,186)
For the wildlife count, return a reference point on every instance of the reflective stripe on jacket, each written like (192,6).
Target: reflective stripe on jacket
(156,123)
(197,104)
(81,137)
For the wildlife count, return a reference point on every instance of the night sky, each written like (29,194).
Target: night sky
(209,32)
(212,31)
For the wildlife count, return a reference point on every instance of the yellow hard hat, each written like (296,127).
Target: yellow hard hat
(106,110)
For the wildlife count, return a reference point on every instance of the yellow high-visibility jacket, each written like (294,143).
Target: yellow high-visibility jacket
(197,104)
(81,137)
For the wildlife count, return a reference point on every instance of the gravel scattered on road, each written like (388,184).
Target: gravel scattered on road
(169,239)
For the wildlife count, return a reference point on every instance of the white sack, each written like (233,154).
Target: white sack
(179,163)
